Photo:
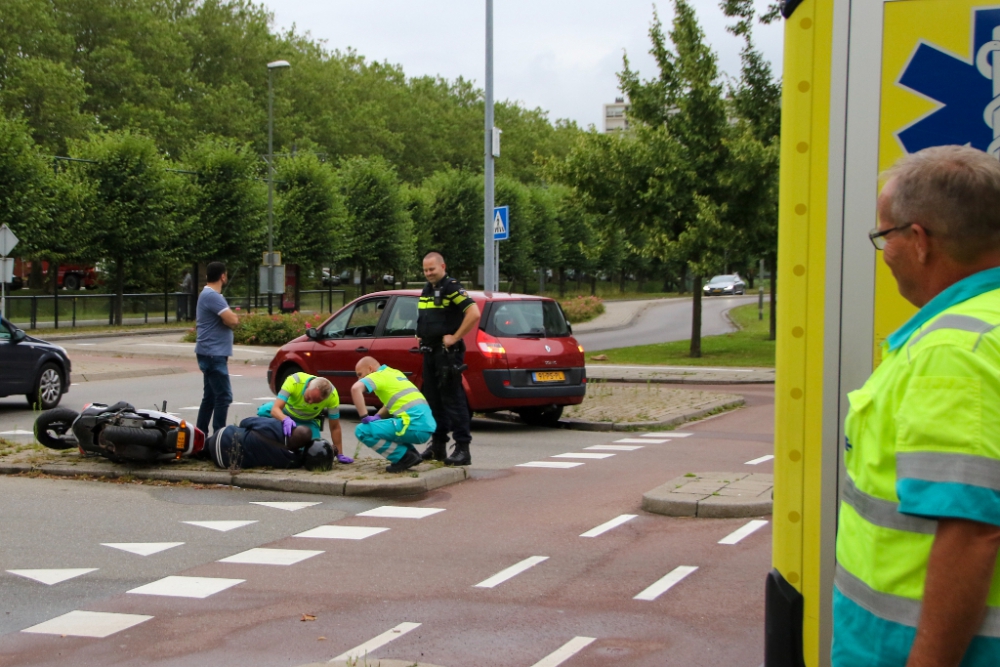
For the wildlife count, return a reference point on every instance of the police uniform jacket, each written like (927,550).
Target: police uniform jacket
(441,309)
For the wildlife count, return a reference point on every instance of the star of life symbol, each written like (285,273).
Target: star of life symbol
(967,91)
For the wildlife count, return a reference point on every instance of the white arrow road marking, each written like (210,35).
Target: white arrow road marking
(221,526)
(288,507)
(56,576)
(142,548)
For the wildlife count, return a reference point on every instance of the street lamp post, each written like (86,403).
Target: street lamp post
(277,64)
(490,271)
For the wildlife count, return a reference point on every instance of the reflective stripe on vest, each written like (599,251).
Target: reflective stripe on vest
(301,381)
(395,391)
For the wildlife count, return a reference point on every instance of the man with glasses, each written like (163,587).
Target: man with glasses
(919,524)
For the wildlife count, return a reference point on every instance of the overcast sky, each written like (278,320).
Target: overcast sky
(560,55)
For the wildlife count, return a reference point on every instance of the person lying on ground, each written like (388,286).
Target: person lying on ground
(303,401)
(260,442)
(403,421)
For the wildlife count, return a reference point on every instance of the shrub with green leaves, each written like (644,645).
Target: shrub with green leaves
(582,308)
(264,329)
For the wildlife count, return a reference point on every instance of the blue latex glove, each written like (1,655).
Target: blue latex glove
(287,425)
(369,420)
(341,458)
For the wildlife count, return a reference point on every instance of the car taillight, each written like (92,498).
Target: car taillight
(488,345)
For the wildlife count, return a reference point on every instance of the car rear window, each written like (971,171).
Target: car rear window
(510,319)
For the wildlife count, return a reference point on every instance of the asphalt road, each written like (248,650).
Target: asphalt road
(667,322)
(422,571)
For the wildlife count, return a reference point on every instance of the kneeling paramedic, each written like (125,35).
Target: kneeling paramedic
(404,419)
(302,400)
(260,441)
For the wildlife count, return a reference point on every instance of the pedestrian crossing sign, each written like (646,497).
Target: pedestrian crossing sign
(501,223)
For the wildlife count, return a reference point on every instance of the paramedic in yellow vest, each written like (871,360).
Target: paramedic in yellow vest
(404,419)
(301,401)
(919,523)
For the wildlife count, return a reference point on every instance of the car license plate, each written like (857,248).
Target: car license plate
(549,376)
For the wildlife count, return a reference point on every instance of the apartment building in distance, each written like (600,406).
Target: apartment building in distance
(614,116)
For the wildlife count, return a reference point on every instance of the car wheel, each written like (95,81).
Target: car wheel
(52,428)
(71,282)
(544,416)
(283,374)
(48,388)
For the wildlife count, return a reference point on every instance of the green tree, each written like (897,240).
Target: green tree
(310,213)
(380,231)
(130,211)
(452,221)
(517,252)
(547,245)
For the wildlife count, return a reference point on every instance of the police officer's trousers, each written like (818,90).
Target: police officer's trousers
(383,436)
(448,403)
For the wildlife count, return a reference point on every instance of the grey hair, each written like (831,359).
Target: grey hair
(954,193)
(325,387)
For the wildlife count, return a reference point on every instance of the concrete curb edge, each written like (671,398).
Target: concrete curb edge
(580,425)
(267,481)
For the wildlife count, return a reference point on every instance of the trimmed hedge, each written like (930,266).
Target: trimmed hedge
(582,308)
(263,329)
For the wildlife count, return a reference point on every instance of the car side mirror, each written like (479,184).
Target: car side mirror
(18,336)
(570,327)
(312,334)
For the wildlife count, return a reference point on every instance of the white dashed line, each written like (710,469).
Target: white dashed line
(550,464)
(186,587)
(372,645)
(581,455)
(51,577)
(635,441)
(264,398)
(97,624)
(341,532)
(667,434)
(738,535)
(666,583)
(191,407)
(565,652)
(394,512)
(763,459)
(142,548)
(615,448)
(271,556)
(511,572)
(605,527)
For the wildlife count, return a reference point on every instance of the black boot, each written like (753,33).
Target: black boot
(460,456)
(410,459)
(436,451)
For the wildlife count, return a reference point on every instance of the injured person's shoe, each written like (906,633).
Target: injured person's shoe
(410,459)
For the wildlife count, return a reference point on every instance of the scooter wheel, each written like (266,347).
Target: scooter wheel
(52,428)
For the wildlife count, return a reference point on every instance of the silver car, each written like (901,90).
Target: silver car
(729,284)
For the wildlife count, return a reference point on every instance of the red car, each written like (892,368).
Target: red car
(522,357)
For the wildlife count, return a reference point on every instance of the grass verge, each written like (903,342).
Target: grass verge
(747,347)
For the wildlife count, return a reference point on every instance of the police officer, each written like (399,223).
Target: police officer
(446,313)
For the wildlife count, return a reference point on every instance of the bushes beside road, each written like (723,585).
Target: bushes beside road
(582,308)
(264,329)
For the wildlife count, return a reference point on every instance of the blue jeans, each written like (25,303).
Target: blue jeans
(218,392)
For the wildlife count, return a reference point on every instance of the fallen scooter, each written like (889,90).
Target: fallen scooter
(120,433)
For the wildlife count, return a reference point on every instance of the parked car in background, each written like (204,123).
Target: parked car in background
(71,276)
(331,280)
(728,284)
(31,367)
(522,357)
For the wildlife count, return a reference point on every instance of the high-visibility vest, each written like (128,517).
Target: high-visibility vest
(295,404)
(922,442)
(399,396)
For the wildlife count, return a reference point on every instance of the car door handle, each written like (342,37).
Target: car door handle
(414,350)
(361,349)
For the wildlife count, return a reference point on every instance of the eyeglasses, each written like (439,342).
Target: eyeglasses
(878,238)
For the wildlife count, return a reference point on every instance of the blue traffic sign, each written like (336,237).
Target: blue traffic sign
(501,223)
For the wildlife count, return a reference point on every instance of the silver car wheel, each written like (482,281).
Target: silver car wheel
(49,386)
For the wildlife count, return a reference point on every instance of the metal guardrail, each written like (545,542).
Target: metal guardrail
(54,311)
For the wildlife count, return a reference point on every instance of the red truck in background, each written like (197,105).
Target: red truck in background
(71,276)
